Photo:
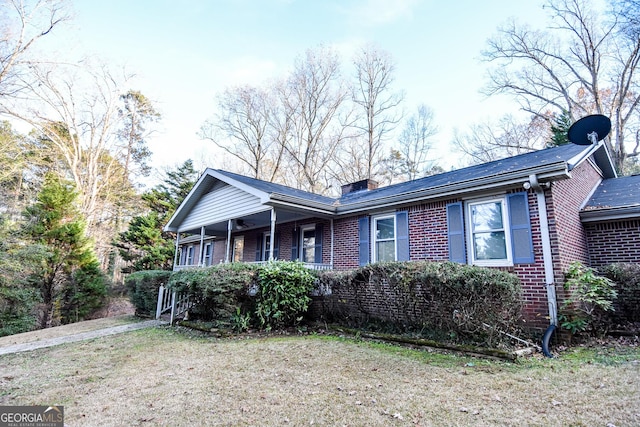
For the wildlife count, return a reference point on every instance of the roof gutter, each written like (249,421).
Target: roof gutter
(610,214)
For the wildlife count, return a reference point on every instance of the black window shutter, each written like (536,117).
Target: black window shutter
(259,248)
(402,235)
(455,233)
(520,223)
(318,245)
(363,240)
(295,242)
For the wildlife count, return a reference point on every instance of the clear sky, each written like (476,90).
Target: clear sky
(185,52)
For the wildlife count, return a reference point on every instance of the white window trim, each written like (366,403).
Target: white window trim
(204,254)
(308,227)
(374,219)
(506,223)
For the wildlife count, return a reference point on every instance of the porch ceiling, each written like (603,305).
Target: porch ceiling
(249,222)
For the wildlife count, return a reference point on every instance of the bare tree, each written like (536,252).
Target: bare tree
(242,129)
(415,142)
(486,142)
(22,24)
(378,104)
(583,63)
(75,111)
(312,100)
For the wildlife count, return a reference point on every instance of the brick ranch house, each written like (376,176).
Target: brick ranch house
(532,214)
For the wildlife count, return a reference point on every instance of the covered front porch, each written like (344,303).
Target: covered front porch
(230,218)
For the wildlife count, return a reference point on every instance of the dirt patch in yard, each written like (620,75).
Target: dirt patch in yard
(165,377)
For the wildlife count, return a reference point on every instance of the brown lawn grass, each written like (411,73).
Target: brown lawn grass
(165,377)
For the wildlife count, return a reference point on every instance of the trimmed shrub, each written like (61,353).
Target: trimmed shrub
(627,278)
(143,289)
(451,300)
(217,292)
(284,293)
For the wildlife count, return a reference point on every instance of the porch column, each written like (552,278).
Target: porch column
(227,255)
(273,233)
(201,246)
(176,255)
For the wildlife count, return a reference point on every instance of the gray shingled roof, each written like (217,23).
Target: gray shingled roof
(616,193)
(273,188)
(492,169)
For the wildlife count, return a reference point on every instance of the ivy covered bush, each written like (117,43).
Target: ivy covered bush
(218,292)
(143,286)
(627,279)
(446,299)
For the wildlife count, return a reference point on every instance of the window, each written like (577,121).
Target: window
(491,232)
(263,246)
(384,238)
(238,249)
(306,244)
(489,239)
(389,237)
(267,246)
(190,250)
(208,253)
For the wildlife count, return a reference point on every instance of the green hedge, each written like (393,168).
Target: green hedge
(143,289)
(438,299)
(218,291)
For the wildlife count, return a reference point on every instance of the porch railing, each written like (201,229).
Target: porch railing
(310,265)
(173,302)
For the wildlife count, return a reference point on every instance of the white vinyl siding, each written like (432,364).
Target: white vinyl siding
(220,205)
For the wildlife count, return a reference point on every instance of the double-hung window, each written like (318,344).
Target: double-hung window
(384,238)
(488,233)
(491,232)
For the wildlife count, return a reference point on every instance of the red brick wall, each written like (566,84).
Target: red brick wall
(346,255)
(568,236)
(568,197)
(615,241)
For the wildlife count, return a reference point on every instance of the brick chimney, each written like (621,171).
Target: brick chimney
(365,184)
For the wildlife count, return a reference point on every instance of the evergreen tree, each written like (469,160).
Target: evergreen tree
(559,129)
(144,244)
(53,223)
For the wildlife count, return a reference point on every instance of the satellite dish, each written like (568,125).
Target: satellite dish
(589,130)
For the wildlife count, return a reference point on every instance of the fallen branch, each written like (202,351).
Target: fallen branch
(468,350)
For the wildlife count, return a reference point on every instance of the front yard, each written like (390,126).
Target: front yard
(168,377)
